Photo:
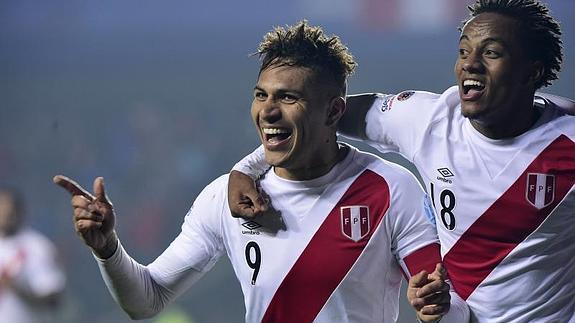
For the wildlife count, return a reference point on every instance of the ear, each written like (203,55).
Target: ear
(536,73)
(335,111)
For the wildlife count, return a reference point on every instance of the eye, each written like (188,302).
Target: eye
(260,95)
(288,98)
(490,53)
(463,52)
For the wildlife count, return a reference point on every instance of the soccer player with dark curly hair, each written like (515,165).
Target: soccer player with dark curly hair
(497,159)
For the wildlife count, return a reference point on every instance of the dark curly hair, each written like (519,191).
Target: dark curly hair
(541,33)
(307,46)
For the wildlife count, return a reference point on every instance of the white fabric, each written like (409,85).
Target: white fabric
(30,259)
(369,292)
(254,164)
(534,282)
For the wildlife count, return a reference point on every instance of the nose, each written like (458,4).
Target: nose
(270,111)
(472,63)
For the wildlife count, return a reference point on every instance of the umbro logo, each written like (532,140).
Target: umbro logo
(251,226)
(445,174)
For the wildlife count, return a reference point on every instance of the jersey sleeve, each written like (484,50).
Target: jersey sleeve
(458,310)
(254,165)
(399,122)
(199,245)
(143,291)
(564,104)
(411,225)
(414,238)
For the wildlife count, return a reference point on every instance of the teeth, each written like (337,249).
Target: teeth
(472,83)
(274,131)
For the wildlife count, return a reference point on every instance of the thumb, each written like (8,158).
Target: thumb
(439,273)
(100,191)
(258,199)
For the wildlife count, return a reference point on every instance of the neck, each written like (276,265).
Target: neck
(336,154)
(510,125)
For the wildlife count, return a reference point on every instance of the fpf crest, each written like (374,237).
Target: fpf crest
(540,190)
(355,221)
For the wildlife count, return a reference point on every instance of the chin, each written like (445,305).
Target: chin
(276,159)
(471,110)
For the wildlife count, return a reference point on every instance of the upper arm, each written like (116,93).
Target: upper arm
(565,104)
(391,122)
(412,226)
(352,124)
(199,244)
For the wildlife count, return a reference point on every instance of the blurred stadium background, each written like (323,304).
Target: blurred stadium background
(155,97)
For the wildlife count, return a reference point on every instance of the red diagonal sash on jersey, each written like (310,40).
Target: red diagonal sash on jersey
(329,255)
(509,220)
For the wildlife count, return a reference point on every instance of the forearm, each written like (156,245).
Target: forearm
(254,165)
(563,103)
(352,124)
(132,286)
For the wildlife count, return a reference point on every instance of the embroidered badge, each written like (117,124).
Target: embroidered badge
(405,95)
(387,102)
(355,221)
(540,190)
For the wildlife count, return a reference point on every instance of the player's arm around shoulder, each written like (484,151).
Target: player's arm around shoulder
(564,104)
(391,122)
(244,198)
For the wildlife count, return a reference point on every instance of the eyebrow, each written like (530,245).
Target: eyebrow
(486,40)
(279,91)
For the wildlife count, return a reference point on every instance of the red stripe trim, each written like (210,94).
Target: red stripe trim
(329,256)
(424,258)
(509,220)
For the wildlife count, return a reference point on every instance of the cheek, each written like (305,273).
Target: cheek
(254,112)
(504,74)
(456,67)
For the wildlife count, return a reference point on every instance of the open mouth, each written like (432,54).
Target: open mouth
(472,88)
(276,136)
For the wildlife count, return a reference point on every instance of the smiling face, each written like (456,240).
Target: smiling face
(494,74)
(294,115)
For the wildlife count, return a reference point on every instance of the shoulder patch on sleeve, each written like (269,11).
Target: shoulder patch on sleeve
(405,95)
(386,102)
(428,210)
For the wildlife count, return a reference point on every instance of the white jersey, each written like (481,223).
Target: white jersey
(335,249)
(505,208)
(29,261)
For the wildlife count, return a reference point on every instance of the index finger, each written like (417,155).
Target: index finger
(434,287)
(418,280)
(72,187)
